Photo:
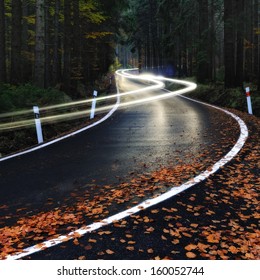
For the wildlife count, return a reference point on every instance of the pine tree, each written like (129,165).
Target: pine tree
(2,43)
(39,64)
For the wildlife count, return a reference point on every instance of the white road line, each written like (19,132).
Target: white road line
(157,85)
(149,202)
(108,115)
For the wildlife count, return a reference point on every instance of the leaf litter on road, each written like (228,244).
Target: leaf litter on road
(223,218)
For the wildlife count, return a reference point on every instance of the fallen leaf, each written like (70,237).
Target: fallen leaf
(109,252)
(88,247)
(130,248)
(194,225)
(187,234)
(233,249)
(191,247)
(213,238)
(163,237)
(104,232)
(75,241)
(92,240)
(150,229)
(191,255)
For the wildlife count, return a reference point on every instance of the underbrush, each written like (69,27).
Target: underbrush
(231,98)
(24,97)
(13,98)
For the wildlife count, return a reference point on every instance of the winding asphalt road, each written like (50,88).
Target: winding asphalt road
(135,139)
(148,133)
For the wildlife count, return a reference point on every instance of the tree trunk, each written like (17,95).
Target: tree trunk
(229,44)
(140,56)
(76,46)
(39,66)
(249,40)
(16,42)
(203,53)
(48,78)
(256,39)
(56,45)
(212,45)
(2,43)
(257,52)
(148,49)
(67,46)
(258,86)
(26,63)
(240,43)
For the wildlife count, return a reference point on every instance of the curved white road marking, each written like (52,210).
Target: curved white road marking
(149,202)
(108,115)
(158,85)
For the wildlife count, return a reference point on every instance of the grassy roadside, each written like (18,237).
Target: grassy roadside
(24,97)
(13,98)
(230,98)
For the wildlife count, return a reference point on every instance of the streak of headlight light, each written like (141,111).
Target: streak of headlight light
(150,78)
(157,85)
(189,86)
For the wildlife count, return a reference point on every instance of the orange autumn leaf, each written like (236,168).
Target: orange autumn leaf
(150,229)
(187,234)
(213,238)
(202,247)
(75,241)
(191,255)
(109,252)
(163,237)
(104,232)
(77,235)
(233,249)
(97,210)
(130,248)
(88,247)
(92,240)
(194,225)
(191,247)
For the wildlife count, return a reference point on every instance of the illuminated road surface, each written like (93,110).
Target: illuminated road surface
(136,139)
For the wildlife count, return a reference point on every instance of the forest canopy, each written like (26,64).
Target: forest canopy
(51,42)
(61,43)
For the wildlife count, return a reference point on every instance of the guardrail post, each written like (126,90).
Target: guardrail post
(93,107)
(38,124)
(249,104)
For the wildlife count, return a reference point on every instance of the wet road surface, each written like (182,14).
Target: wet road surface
(135,139)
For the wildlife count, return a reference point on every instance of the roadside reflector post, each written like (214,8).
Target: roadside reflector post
(93,107)
(249,104)
(38,124)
